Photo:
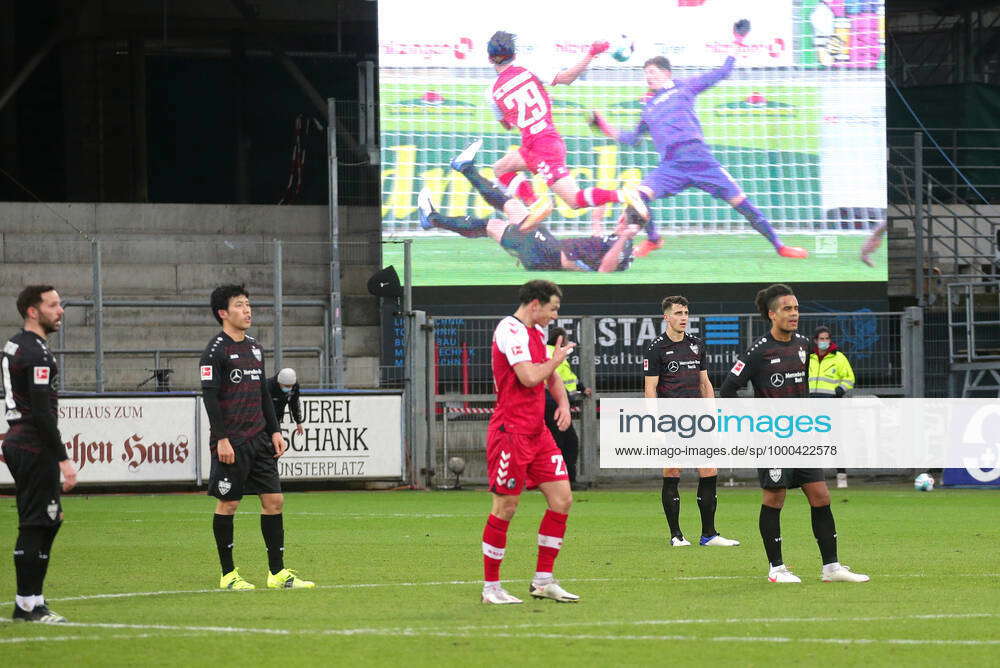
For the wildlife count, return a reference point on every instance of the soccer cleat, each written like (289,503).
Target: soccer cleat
(679,541)
(794,252)
(647,247)
(866,258)
(717,541)
(633,199)
(467,156)
(425,208)
(40,614)
(537,212)
(233,580)
(497,595)
(551,589)
(286,579)
(841,481)
(844,574)
(782,574)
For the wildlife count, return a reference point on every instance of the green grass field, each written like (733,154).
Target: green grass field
(793,128)
(692,258)
(398,576)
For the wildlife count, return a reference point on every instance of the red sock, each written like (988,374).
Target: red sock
(595,197)
(494,546)
(506,178)
(550,539)
(526,193)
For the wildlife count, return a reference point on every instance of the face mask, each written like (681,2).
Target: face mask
(822,345)
(286,390)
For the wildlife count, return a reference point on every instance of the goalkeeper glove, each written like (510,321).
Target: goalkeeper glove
(597,48)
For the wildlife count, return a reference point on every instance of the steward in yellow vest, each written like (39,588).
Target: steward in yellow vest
(830,373)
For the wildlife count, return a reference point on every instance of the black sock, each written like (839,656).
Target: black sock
(707,504)
(46,550)
(467,226)
(770,532)
(826,533)
(671,500)
(222,527)
(493,195)
(28,567)
(272,526)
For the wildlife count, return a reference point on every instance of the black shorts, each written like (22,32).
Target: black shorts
(788,478)
(36,478)
(255,470)
(537,250)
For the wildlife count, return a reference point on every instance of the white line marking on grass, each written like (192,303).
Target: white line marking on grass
(117,636)
(732,620)
(377,585)
(492,633)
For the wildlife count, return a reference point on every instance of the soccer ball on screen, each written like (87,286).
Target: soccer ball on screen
(923,483)
(622,48)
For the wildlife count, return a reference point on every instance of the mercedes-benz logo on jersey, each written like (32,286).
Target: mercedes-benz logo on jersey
(235,376)
(673,367)
(777,379)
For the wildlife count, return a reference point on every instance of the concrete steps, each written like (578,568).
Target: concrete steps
(181,252)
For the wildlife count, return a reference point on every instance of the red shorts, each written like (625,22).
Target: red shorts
(546,156)
(516,461)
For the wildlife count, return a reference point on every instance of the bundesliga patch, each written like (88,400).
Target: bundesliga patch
(206,372)
(42,375)
(737,368)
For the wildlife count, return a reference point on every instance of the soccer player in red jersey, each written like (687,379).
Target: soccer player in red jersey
(520,451)
(520,101)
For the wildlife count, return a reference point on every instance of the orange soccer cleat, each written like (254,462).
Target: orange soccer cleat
(647,247)
(793,251)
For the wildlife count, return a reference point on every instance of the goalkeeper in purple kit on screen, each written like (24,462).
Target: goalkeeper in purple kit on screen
(686,161)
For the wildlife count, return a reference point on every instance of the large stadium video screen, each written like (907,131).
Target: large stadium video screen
(681,141)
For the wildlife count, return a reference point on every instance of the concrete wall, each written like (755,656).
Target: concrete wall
(181,251)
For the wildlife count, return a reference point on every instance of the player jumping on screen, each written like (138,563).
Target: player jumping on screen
(537,249)
(520,451)
(777,366)
(685,159)
(519,100)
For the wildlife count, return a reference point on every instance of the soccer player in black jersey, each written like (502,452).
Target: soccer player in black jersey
(676,367)
(33,449)
(777,365)
(245,439)
(537,249)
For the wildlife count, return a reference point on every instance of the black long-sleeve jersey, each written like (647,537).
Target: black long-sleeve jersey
(30,397)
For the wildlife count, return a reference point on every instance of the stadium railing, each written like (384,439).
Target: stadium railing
(609,360)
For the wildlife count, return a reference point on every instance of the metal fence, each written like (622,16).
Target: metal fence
(137,312)
(458,380)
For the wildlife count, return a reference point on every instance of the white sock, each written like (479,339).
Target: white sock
(26,603)
(491,585)
(542,577)
(39,600)
(831,567)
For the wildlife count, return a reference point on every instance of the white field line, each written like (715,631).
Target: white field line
(492,633)
(446,583)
